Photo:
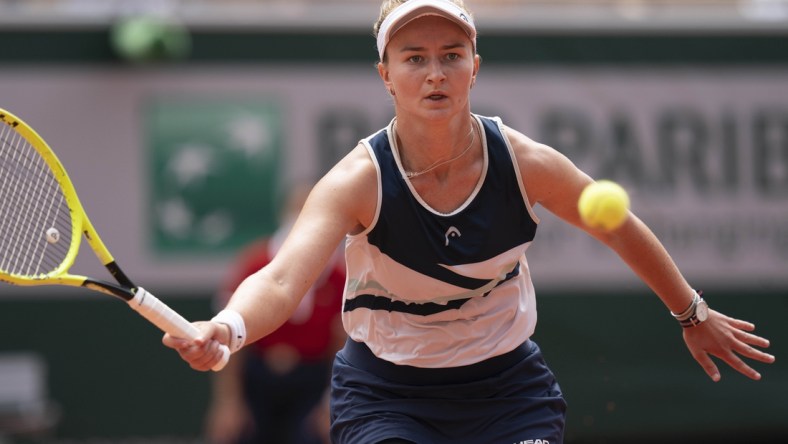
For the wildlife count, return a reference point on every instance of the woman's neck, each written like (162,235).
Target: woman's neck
(425,146)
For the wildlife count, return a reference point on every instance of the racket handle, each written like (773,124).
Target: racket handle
(169,321)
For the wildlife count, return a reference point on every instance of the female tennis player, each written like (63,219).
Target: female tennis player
(437,212)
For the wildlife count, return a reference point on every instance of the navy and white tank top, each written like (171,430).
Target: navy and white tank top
(431,289)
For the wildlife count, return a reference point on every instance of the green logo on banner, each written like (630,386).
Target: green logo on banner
(215,168)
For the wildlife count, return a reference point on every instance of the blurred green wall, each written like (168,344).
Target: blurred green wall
(307,45)
(619,358)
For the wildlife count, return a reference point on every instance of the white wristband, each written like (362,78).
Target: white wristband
(235,322)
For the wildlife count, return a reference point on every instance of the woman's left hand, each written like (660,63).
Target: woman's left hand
(727,339)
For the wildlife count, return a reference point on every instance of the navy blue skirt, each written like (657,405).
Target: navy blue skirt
(507,399)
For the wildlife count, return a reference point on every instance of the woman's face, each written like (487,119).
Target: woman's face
(430,68)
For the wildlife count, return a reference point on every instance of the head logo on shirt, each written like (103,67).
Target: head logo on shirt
(452,232)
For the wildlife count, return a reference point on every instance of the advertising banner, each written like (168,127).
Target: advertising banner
(703,153)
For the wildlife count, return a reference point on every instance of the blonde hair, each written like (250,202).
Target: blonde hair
(389,5)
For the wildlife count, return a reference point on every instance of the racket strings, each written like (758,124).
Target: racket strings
(35,222)
(49,196)
(28,197)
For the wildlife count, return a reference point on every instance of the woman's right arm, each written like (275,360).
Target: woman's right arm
(343,201)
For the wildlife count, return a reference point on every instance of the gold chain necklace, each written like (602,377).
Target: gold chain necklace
(412,174)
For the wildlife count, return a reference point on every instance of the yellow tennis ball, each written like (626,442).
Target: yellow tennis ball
(604,205)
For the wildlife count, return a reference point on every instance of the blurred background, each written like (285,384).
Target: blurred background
(184,123)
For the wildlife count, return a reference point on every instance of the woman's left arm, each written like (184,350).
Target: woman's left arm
(554,182)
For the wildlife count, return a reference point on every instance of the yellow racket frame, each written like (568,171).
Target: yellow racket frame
(80,224)
(146,304)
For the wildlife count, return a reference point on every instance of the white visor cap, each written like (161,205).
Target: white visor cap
(413,9)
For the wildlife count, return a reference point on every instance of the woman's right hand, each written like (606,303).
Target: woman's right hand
(204,352)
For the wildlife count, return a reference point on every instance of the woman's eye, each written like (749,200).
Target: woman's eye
(415,59)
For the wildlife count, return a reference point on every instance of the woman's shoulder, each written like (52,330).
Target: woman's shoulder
(541,167)
(357,166)
(353,182)
(526,149)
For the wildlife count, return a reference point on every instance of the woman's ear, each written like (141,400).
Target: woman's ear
(383,72)
(477,60)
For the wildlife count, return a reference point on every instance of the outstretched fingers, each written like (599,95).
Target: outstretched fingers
(739,324)
(708,365)
(740,366)
(751,339)
(745,347)
(730,340)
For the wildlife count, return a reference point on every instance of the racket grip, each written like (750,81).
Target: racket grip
(169,321)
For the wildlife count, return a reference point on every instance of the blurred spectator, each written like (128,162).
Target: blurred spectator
(273,391)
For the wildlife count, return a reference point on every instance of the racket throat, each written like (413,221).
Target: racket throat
(108,288)
(119,275)
(125,288)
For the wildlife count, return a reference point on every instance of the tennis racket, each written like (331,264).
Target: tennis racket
(42,223)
